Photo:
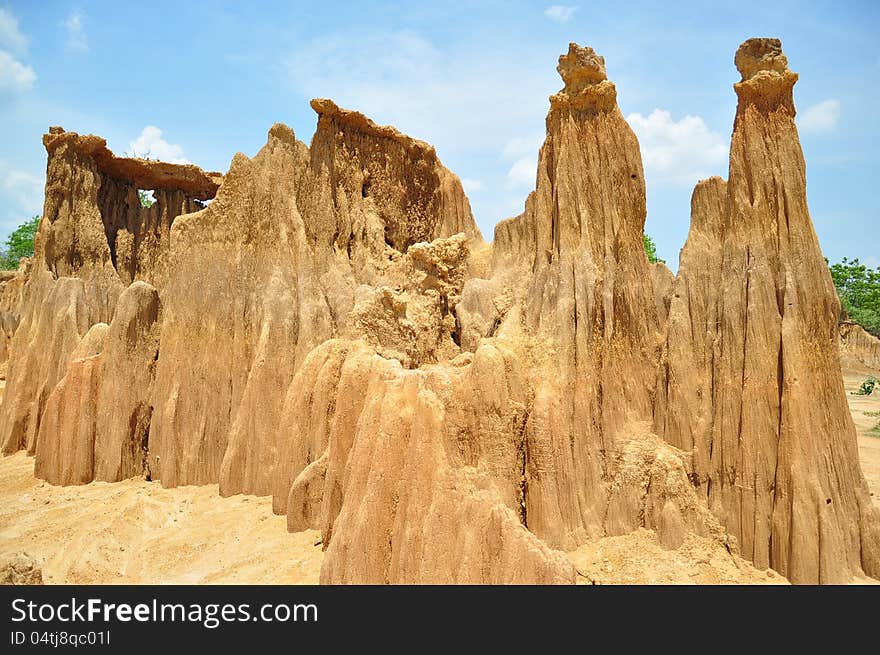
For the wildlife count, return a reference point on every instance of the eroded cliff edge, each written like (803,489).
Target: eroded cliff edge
(333,331)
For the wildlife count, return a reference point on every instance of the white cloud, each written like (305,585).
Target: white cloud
(76,34)
(523,145)
(678,152)
(436,95)
(466,100)
(523,150)
(820,117)
(471,185)
(10,36)
(21,194)
(151,145)
(15,77)
(560,13)
(522,173)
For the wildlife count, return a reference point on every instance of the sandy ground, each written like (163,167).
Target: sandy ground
(865,411)
(136,532)
(637,558)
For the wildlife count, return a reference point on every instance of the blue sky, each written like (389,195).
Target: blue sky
(190,81)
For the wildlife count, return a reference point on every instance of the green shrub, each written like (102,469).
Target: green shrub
(19,244)
(146,199)
(859,290)
(651,250)
(867,387)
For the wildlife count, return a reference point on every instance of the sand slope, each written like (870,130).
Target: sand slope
(136,532)
(638,558)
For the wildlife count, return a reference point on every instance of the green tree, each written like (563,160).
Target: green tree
(146,199)
(651,250)
(859,289)
(19,244)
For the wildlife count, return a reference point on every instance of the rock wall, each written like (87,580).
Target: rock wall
(245,281)
(859,346)
(12,285)
(75,277)
(96,422)
(684,409)
(301,245)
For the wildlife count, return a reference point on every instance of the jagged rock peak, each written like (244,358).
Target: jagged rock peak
(142,173)
(760,54)
(283,133)
(586,84)
(766,81)
(580,67)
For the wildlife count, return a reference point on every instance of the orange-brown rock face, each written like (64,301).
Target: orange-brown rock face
(11,298)
(859,346)
(301,245)
(245,281)
(684,412)
(663,280)
(410,197)
(413,475)
(584,312)
(96,422)
(386,419)
(774,447)
(94,239)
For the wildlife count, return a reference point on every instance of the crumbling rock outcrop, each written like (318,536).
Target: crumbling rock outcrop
(413,196)
(663,280)
(301,245)
(684,409)
(245,281)
(408,463)
(94,239)
(332,330)
(138,172)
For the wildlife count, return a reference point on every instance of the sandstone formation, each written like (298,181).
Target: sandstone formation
(301,245)
(332,331)
(752,373)
(692,333)
(859,345)
(584,313)
(96,421)
(93,241)
(12,286)
(663,280)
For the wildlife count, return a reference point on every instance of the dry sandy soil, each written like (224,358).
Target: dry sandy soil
(866,415)
(136,532)
(638,558)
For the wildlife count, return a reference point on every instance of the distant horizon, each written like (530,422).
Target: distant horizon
(440,74)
